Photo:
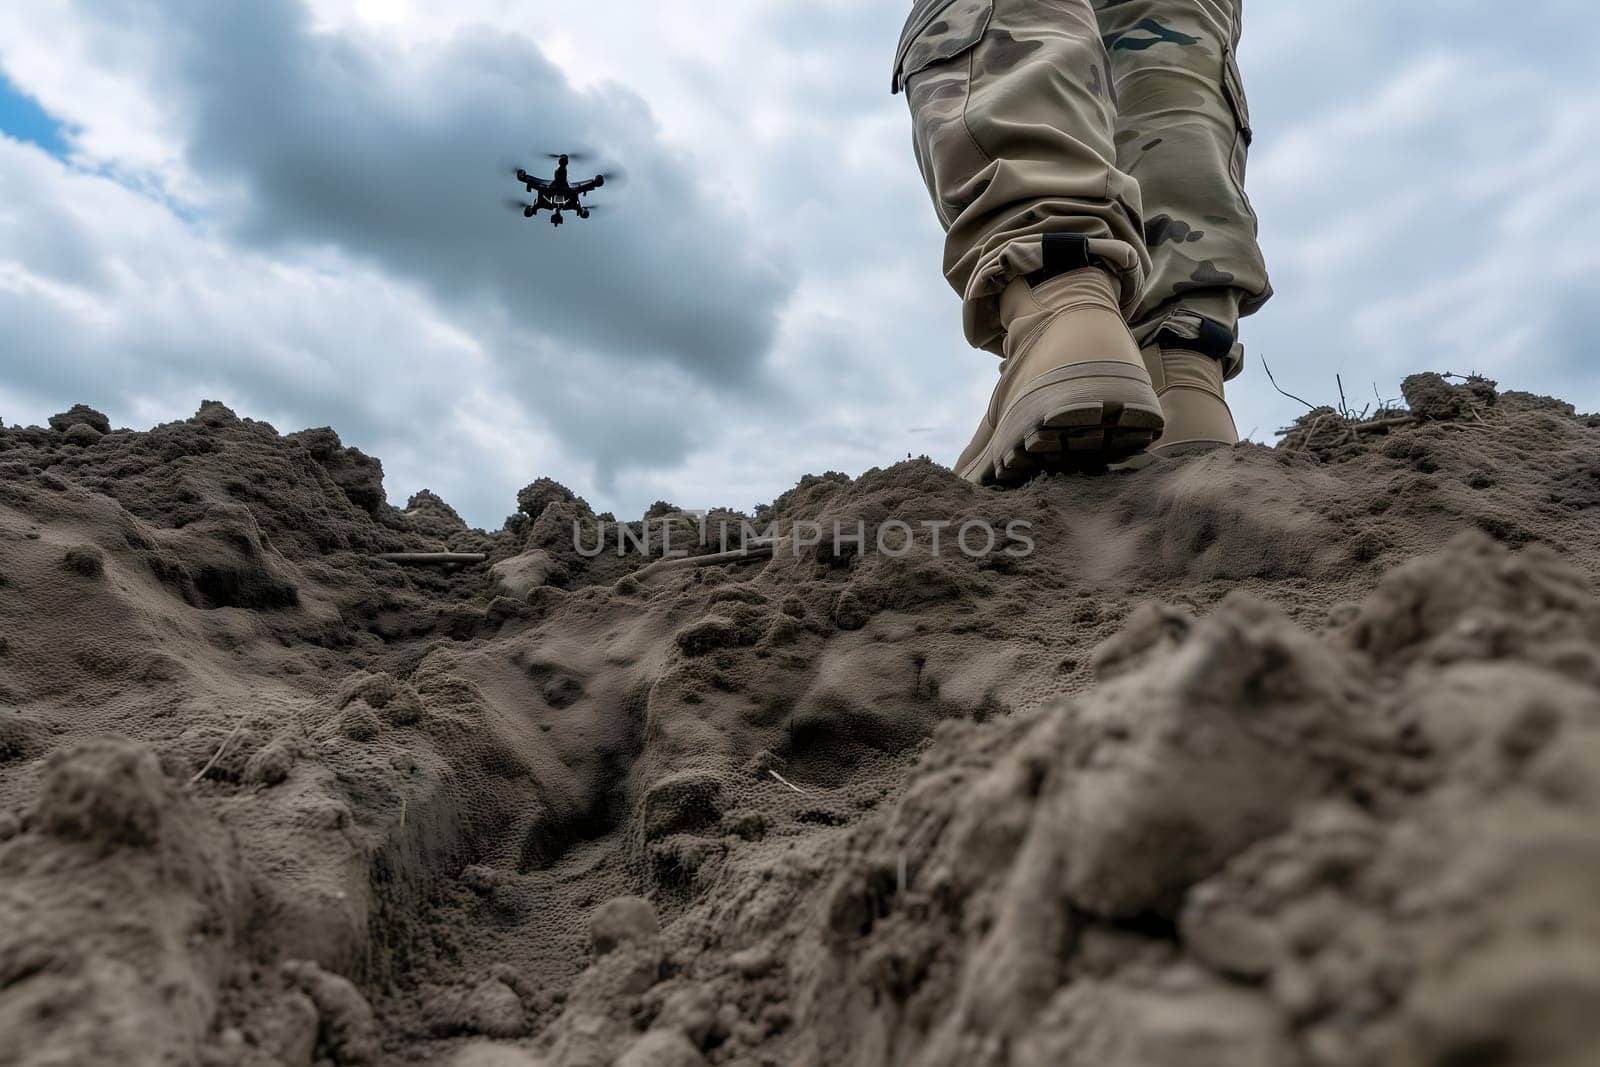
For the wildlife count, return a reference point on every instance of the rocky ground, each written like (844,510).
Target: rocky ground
(1268,757)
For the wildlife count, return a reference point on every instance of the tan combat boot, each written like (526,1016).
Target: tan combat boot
(1073,388)
(1185,360)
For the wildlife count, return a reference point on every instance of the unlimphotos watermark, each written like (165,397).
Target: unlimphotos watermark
(691,533)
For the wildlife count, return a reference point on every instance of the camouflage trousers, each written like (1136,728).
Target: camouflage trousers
(1122,120)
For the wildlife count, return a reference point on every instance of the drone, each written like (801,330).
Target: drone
(558,194)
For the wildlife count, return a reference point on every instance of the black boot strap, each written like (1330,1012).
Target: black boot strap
(1063,253)
(1195,333)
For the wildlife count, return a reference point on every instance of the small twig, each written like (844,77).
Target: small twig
(431,559)
(786,781)
(1344,409)
(755,551)
(1385,424)
(402,811)
(226,741)
(1311,431)
(1266,367)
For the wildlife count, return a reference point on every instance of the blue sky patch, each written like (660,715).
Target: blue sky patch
(22,119)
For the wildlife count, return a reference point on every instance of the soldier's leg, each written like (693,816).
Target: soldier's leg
(1013,124)
(1013,121)
(1183,130)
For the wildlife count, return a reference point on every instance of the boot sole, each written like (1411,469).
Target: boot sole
(1085,416)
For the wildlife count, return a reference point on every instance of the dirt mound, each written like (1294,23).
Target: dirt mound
(1267,756)
(1251,845)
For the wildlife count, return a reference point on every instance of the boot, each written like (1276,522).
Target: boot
(1073,388)
(1187,373)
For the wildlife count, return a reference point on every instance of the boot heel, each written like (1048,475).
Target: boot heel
(1083,417)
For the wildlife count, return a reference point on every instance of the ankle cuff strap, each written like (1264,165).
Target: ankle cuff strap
(1063,252)
(1195,333)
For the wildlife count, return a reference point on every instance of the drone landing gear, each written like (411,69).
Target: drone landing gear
(583,212)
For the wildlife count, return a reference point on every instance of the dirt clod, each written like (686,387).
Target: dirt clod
(80,415)
(86,561)
(620,922)
(662,1048)
(82,434)
(493,1010)
(346,1032)
(108,792)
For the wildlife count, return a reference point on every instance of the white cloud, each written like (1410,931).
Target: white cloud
(1415,177)
(311,253)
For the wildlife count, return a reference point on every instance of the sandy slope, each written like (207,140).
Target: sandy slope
(1273,756)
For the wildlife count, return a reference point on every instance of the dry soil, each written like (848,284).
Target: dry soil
(1273,756)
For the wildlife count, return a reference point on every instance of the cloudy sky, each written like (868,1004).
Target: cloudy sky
(296,207)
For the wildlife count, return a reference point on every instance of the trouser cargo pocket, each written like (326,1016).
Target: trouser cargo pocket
(937,32)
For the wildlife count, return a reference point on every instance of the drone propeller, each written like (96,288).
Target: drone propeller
(519,206)
(574,157)
(615,177)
